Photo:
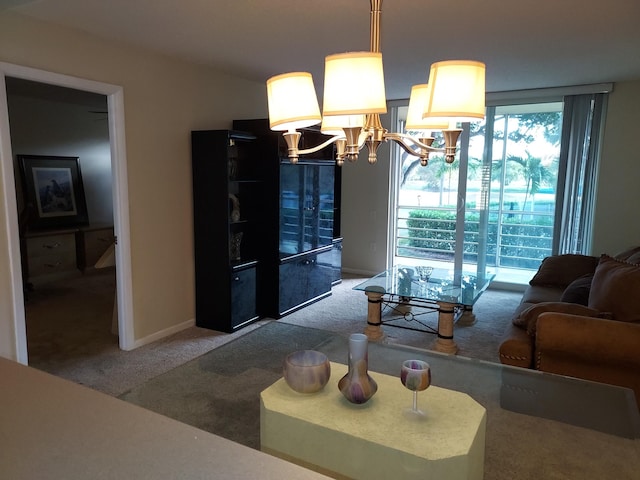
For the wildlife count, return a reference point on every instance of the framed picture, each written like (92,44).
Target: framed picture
(54,193)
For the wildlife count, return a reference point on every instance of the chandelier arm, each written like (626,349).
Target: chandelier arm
(321,146)
(401,139)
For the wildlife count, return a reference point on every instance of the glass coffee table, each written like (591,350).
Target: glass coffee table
(450,292)
(538,425)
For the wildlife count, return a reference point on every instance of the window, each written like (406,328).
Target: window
(518,191)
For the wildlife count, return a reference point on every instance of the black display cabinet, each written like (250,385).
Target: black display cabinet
(228,196)
(302,215)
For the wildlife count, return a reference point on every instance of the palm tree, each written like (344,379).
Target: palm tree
(535,173)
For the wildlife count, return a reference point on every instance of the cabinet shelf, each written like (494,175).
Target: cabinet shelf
(245,181)
(242,264)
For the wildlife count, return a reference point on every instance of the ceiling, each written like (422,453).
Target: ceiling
(525,44)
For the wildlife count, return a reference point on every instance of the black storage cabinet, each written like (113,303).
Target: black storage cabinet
(226,245)
(303,220)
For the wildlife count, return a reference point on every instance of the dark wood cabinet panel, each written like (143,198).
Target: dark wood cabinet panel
(303,279)
(243,296)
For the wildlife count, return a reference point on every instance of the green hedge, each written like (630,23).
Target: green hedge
(524,243)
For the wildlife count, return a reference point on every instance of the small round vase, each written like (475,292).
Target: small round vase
(306,371)
(357,386)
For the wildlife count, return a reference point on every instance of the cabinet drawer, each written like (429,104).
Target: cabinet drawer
(49,254)
(47,245)
(46,264)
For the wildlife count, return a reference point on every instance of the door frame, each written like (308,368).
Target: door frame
(115,107)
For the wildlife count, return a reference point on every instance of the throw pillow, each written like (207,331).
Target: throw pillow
(635,258)
(561,270)
(529,318)
(628,255)
(616,288)
(578,291)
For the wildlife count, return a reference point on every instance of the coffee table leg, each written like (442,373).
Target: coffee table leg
(445,342)
(467,318)
(373,331)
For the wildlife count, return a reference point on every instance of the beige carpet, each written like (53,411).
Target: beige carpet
(346,312)
(69,324)
(219,392)
(69,335)
(69,331)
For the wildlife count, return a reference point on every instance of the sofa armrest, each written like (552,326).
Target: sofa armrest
(590,348)
(516,348)
(595,340)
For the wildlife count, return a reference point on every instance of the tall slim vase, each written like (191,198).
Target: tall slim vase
(357,386)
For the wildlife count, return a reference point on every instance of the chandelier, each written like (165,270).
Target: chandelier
(354,97)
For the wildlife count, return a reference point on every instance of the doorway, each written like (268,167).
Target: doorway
(114,116)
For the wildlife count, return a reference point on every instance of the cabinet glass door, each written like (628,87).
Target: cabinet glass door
(306,206)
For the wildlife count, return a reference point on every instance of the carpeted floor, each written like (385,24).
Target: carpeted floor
(69,331)
(219,392)
(345,311)
(197,372)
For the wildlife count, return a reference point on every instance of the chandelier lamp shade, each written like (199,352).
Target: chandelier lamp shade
(292,101)
(345,75)
(354,97)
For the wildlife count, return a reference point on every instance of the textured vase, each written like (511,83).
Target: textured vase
(306,371)
(357,386)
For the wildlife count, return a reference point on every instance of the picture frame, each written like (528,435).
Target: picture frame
(53,192)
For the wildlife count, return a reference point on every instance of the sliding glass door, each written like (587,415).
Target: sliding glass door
(498,205)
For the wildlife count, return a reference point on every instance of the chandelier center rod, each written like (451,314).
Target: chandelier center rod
(376,14)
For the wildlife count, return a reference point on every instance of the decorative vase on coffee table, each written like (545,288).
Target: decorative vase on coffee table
(357,386)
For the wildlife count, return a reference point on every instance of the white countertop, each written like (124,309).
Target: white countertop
(51,428)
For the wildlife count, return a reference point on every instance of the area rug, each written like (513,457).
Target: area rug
(219,392)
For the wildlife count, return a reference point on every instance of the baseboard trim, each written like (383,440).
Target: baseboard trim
(164,333)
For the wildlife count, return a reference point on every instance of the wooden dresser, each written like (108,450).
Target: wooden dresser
(91,243)
(53,254)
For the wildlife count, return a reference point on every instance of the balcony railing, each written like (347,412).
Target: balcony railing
(514,239)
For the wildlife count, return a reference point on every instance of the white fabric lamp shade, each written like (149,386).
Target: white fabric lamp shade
(334,124)
(417,106)
(292,101)
(456,90)
(354,84)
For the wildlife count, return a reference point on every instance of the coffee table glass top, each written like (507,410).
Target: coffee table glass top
(443,285)
(502,388)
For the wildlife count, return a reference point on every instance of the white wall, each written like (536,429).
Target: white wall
(164,100)
(365,213)
(616,219)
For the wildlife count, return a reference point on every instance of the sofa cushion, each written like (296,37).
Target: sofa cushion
(561,270)
(615,288)
(528,319)
(537,294)
(578,290)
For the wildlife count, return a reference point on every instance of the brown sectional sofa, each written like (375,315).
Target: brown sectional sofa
(580,316)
